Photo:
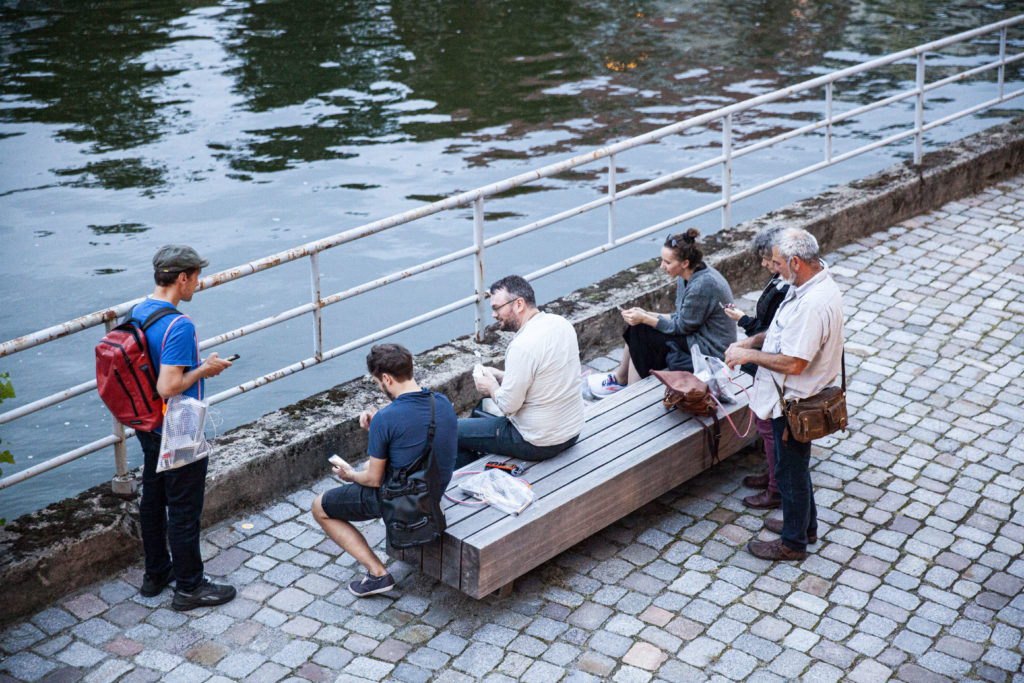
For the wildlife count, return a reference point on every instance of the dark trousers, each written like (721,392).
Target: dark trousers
(651,349)
(169,511)
(480,435)
(793,475)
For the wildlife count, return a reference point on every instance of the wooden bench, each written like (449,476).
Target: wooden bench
(631,451)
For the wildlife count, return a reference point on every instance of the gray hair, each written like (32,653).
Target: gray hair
(799,243)
(764,240)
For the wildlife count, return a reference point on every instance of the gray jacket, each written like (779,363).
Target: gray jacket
(699,314)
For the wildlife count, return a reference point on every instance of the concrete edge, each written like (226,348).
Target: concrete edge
(72,543)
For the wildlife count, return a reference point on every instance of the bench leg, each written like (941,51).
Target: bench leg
(505,590)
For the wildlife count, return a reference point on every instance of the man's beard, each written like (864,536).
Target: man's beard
(509,325)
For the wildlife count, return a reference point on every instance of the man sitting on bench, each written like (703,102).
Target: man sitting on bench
(539,393)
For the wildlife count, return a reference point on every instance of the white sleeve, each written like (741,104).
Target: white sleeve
(519,373)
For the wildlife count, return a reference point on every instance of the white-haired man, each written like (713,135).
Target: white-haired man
(801,352)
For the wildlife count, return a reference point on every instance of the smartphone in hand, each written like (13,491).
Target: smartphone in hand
(336,460)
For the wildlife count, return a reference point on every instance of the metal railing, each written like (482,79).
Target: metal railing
(723,117)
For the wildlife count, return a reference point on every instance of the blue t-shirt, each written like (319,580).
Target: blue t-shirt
(181,347)
(398,432)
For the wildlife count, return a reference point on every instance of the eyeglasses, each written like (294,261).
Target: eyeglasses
(501,306)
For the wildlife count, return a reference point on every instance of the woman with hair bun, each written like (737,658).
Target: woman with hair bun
(655,341)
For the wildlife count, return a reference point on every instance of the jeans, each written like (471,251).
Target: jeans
(793,475)
(169,511)
(480,435)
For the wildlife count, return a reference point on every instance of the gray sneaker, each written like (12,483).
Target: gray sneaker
(206,594)
(371,585)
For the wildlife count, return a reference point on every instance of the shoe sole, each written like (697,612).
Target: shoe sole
(180,607)
(374,592)
(153,593)
(186,608)
(811,540)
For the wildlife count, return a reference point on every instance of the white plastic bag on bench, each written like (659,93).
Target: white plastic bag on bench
(184,437)
(713,371)
(502,490)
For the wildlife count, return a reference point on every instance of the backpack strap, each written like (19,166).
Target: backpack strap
(159,313)
(182,316)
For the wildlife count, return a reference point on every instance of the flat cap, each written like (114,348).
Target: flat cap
(175,258)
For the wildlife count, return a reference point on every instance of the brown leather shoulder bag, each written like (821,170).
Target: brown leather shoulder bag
(815,416)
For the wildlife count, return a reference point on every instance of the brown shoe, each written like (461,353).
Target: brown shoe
(759,481)
(774,525)
(766,500)
(774,550)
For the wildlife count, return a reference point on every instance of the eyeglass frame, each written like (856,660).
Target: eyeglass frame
(495,309)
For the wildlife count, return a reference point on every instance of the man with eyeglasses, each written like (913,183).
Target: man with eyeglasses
(539,393)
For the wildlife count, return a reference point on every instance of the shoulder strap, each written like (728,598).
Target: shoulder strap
(428,448)
(779,389)
(844,369)
(430,429)
(159,313)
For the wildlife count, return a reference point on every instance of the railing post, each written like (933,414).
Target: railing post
(726,170)
(314,280)
(1002,59)
(122,484)
(611,193)
(828,121)
(919,117)
(478,266)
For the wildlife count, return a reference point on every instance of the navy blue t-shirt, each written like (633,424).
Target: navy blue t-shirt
(398,432)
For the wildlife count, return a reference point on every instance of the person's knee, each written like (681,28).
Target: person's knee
(317,509)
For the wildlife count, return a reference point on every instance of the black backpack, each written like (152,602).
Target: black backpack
(411,498)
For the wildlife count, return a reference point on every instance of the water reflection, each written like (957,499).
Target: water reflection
(245,127)
(80,66)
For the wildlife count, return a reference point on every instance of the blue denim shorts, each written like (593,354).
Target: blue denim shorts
(352,503)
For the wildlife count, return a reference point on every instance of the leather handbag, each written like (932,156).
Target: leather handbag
(686,391)
(816,416)
(410,498)
(689,393)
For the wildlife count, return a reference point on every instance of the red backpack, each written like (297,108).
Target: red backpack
(125,378)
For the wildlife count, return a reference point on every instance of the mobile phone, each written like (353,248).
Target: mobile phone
(233,357)
(336,460)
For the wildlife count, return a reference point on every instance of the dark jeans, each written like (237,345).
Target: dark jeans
(649,350)
(480,435)
(169,511)
(793,475)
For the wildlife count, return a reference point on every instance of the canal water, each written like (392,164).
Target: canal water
(245,128)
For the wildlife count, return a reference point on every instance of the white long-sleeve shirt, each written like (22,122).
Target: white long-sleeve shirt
(541,392)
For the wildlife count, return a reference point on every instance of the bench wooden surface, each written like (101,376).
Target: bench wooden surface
(631,451)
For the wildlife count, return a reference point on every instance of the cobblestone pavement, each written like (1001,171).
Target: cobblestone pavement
(918,574)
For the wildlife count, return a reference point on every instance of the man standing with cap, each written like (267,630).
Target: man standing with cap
(172,501)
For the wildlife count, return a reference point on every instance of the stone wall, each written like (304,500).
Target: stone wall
(74,542)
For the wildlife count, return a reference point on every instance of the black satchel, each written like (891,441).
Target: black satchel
(410,498)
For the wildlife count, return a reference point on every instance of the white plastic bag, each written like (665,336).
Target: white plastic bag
(713,371)
(184,436)
(499,489)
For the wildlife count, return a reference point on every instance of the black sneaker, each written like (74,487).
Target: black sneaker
(151,587)
(206,594)
(371,585)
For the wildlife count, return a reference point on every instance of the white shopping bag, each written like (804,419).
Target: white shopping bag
(184,435)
